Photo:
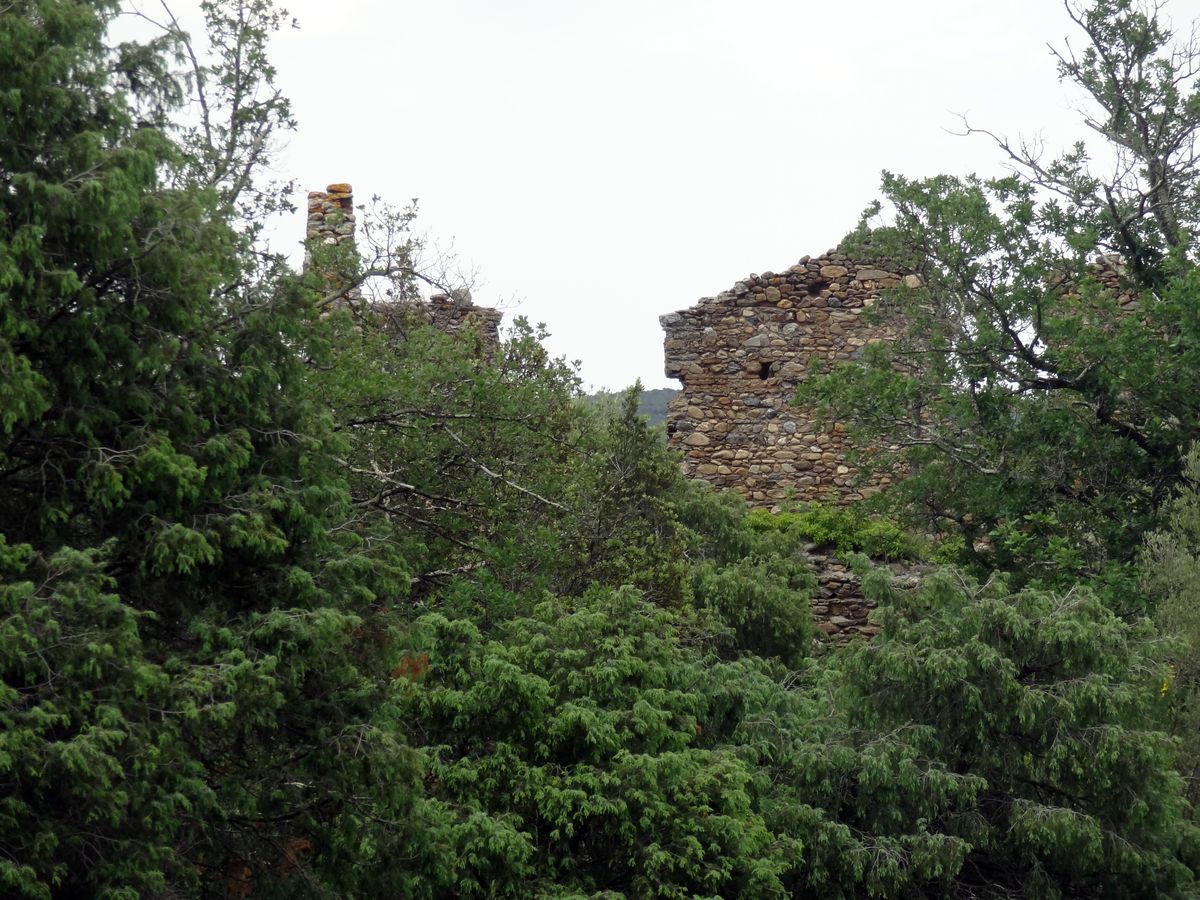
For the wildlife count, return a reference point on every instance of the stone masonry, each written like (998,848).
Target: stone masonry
(741,355)
(331,214)
(455,312)
(331,222)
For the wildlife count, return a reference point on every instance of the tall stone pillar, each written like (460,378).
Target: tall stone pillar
(331,225)
(331,214)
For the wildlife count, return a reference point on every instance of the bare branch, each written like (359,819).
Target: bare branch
(499,477)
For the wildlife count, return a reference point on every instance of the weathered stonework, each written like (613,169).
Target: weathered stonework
(741,355)
(455,312)
(839,607)
(331,222)
(331,214)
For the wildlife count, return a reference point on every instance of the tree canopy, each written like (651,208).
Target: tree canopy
(1042,389)
(300,597)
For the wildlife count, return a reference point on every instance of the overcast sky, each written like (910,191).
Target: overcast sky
(603,163)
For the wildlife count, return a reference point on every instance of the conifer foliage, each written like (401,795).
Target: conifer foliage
(301,602)
(180,676)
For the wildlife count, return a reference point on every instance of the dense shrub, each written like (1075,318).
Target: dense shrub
(843,530)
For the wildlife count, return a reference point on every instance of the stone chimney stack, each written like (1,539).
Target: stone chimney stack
(331,222)
(331,214)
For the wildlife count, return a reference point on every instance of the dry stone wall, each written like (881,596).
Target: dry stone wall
(839,607)
(331,222)
(740,356)
(331,214)
(455,312)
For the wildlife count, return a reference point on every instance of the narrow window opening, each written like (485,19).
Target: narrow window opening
(814,289)
(764,370)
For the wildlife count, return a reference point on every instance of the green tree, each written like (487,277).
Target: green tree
(189,681)
(627,528)
(987,744)
(568,744)
(1044,379)
(466,457)
(1049,705)
(1170,567)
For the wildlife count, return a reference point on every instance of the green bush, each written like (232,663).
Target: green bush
(842,530)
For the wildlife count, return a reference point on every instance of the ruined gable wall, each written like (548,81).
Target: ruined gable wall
(741,355)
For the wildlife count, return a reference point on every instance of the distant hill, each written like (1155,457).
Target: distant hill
(652,404)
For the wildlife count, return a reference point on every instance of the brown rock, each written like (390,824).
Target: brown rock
(872,274)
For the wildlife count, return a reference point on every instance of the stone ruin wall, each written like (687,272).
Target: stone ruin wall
(740,357)
(455,312)
(331,221)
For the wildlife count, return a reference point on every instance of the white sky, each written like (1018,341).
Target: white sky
(602,163)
